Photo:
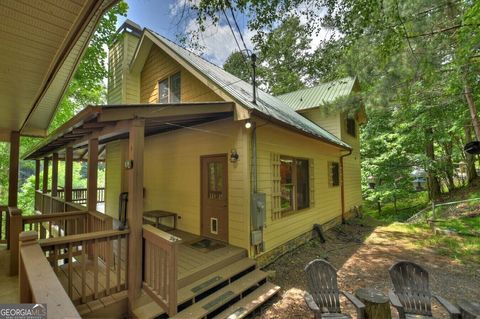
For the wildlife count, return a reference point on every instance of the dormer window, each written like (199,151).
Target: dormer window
(169,89)
(351,126)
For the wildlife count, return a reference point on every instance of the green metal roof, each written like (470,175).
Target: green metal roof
(241,91)
(321,94)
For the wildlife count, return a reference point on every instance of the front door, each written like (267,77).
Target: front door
(214,220)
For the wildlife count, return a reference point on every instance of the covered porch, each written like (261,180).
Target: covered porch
(103,262)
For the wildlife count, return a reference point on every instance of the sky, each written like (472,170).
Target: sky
(162,16)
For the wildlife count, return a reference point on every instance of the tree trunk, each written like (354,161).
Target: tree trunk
(433,184)
(473,110)
(469,158)
(448,148)
(377,305)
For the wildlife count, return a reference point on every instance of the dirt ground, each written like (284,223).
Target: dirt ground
(362,252)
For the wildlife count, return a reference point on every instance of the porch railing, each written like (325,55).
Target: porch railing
(79,195)
(160,267)
(38,282)
(94,264)
(55,225)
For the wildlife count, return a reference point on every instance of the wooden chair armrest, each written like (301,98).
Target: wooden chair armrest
(452,310)
(397,304)
(310,302)
(360,306)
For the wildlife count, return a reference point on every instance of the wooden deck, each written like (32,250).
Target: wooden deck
(193,264)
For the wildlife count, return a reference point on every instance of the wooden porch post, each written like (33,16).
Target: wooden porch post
(54,174)
(68,174)
(45,175)
(92,175)
(135,210)
(13,171)
(37,174)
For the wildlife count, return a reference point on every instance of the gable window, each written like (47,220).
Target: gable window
(351,127)
(294,183)
(334,174)
(169,89)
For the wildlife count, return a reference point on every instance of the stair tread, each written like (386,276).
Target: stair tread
(251,302)
(207,282)
(148,311)
(220,297)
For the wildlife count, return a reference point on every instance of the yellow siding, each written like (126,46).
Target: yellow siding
(159,66)
(123,87)
(114,176)
(327,199)
(351,167)
(172,175)
(330,122)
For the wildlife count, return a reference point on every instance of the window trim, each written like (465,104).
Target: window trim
(294,207)
(354,133)
(168,78)
(330,174)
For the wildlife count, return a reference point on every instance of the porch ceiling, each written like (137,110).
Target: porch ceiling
(111,122)
(41,44)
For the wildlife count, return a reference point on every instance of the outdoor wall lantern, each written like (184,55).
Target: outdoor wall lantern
(371,181)
(234,156)
(128,164)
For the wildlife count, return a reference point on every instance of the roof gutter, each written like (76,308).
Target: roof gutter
(342,186)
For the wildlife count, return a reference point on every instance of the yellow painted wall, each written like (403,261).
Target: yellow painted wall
(114,175)
(159,66)
(123,86)
(172,175)
(352,167)
(327,205)
(329,122)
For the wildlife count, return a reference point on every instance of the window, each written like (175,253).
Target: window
(169,89)
(351,129)
(334,173)
(294,182)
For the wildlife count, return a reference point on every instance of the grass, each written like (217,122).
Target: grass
(406,207)
(464,249)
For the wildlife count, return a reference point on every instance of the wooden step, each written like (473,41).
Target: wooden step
(222,296)
(247,305)
(193,292)
(211,267)
(214,279)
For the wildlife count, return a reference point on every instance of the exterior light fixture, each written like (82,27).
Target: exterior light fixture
(248,124)
(371,181)
(234,156)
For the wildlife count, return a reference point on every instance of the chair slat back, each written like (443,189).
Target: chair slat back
(410,282)
(322,285)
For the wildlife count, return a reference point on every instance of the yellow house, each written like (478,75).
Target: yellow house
(227,178)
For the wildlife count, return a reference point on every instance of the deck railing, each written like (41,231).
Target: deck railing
(94,264)
(56,225)
(38,283)
(160,267)
(79,195)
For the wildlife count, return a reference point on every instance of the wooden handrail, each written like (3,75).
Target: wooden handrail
(38,282)
(81,237)
(161,252)
(4,224)
(52,216)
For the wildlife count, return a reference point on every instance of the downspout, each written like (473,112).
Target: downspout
(342,187)
(254,158)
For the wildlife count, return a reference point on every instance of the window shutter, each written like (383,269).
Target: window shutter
(311,182)
(330,174)
(276,192)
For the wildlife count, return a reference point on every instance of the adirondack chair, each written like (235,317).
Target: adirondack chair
(411,296)
(323,293)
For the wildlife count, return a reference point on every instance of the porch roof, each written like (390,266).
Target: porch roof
(111,122)
(41,43)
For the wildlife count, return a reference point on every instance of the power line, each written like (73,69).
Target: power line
(233,33)
(238,29)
